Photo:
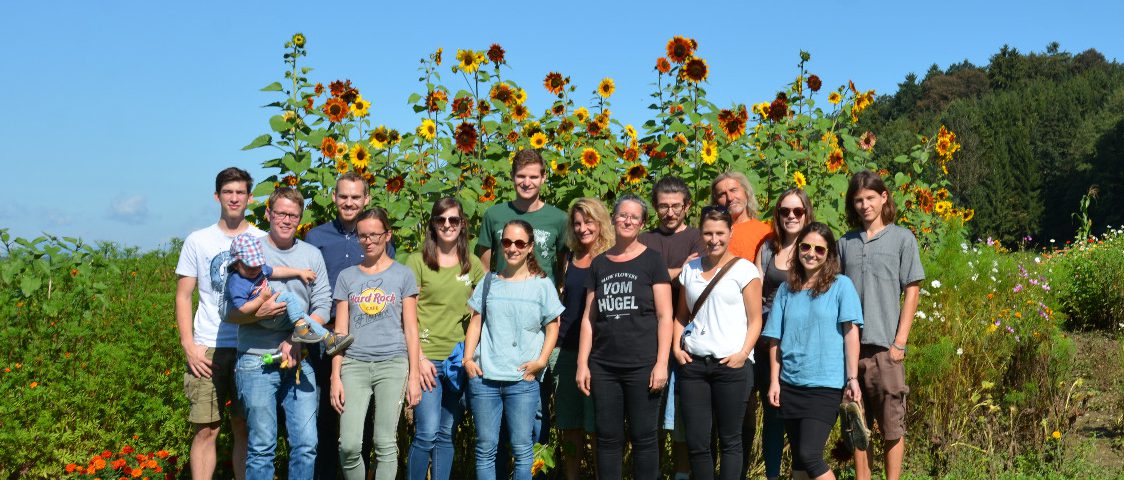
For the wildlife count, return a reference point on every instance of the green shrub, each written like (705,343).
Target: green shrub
(1089,282)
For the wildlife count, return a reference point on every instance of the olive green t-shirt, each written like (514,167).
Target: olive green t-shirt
(443,304)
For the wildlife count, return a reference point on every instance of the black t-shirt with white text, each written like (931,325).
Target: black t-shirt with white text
(626,326)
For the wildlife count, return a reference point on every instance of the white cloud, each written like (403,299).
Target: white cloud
(132,210)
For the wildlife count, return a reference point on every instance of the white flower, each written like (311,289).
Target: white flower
(1037,260)
(921,315)
(936,284)
(975,276)
(959,352)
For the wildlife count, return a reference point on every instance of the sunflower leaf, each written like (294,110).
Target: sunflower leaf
(414,97)
(273,87)
(262,189)
(261,141)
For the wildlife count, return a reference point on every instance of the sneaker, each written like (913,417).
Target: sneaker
(853,427)
(303,334)
(337,342)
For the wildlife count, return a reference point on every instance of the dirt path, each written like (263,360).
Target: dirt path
(1101,363)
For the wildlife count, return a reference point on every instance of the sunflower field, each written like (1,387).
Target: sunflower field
(464,140)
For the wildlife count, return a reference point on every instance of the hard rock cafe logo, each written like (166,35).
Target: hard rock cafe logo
(373,300)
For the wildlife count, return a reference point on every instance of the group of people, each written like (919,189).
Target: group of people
(579,318)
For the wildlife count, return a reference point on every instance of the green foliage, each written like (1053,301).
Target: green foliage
(1089,282)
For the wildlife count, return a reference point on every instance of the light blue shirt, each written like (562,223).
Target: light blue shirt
(512,333)
(811,332)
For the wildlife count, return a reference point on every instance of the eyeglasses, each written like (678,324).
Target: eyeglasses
(626,218)
(819,249)
(797,212)
(372,237)
(520,244)
(286,216)
(664,209)
(714,208)
(450,221)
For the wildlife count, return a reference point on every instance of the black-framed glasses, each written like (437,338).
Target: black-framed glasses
(520,244)
(454,221)
(819,249)
(664,209)
(797,212)
(714,208)
(372,237)
(286,216)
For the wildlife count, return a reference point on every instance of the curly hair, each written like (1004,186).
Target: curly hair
(825,277)
(591,209)
(532,259)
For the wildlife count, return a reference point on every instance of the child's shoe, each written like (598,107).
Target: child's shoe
(335,343)
(302,333)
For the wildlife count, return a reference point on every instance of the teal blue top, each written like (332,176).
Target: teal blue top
(811,332)
(513,333)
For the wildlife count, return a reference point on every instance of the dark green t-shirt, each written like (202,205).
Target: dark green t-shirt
(549,223)
(443,303)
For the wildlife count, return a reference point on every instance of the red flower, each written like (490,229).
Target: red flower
(127,450)
(554,83)
(394,185)
(70,468)
(106,454)
(778,110)
(338,87)
(466,137)
(679,49)
(462,107)
(335,109)
(495,53)
(814,83)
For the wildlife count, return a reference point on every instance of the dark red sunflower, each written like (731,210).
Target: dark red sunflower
(593,128)
(335,109)
(329,147)
(554,83)
(502,93)
(489,183)
(496,53)
(564,127)
(484,108)
(338,87)
(695,70)
(778,110)
(630,154)
(291,180)
(318,89)
(349,95)
(814,83)
(662,65)
(559,109)
(636,173)
(733,121)
(513,136)
(394,185)
(466,137)
(679,49)
(462,107)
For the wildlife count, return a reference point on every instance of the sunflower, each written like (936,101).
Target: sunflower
(538,140)
(834,98)
(636,173)
(709,153)
(329,147)
(662,65)
(349,95)
(502,93)
(466,137)
(560,168)
(484,108)
(681,138)
(394,185)
(290,180)
(942,207)
(814,83)
(564,127)
(489,183)
(679,49)
(733,122)
(941,194)
(496,53)
(590,157)
(487,198)
(867,141)
(695,70)
(512,136)
(554,83)
(602,119)
(337,87)
(967,214)
(435,100)
(582,114)
(946,143)
(462,107)
(298,40)
(318,89)
(558,110)
(835,160)
(427,129)
(630,131)
(437,56)
(360,108)
(341,167)
(593,129)
(520,96)
(798,179)
(924,199)
(360,157)
(630,154)
(761,109)
(778,110)
(606,87)
(830,139)
(335,109)
(309,103)
(468,60)
(520,112)
(394,137)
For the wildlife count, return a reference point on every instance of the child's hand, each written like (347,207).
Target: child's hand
(308,276)
(263,290)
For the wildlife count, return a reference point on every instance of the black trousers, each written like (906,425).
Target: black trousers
(708,390)
(620,393)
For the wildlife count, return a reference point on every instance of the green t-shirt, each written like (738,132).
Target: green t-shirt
(443,304)
(549,223)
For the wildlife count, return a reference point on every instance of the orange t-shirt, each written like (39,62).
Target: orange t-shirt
(746,238)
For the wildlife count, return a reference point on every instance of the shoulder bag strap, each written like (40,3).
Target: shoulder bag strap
(484,297)
(710,286)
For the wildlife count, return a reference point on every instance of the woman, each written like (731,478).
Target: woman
(446,274)
(510,336)
(713,347)
(625,342)
(793,211)
(376,302)
(588,234)
(813,329)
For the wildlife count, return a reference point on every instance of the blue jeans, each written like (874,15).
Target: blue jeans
(260,389)
(435,419)
(295,310)
(515,402)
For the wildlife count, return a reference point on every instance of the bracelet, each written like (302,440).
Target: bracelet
(852,378)
(899,347)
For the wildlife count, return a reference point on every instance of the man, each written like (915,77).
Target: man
(270,371)
(733,191)
(208,343)
(528,172)
(883,261)
(338,243)
(677,243)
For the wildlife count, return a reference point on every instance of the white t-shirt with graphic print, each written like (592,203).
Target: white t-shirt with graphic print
(205,257)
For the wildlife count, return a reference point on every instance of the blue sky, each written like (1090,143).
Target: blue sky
(119,114)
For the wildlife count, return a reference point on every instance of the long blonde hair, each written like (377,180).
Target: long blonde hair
(592,209)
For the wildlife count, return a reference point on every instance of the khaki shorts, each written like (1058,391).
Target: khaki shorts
(882,381)
(210,396)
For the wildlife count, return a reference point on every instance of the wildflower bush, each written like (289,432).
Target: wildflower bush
(1089,276)
(470,126)
(125,463)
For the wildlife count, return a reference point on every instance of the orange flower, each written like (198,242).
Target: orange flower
(74,272)
(590,158)
(537,466)
(466,137)
(487,198)
(501,92)
(835,160)
(318,89)
(631,154)
(679,49)
(636,173)
(338,87)
(554,83)
(435,100)
(70,467)
(162,454)
(733,121)
(462,107)
(118,464)
(137,472)
(519,112)
(394,185)
(329,147)
(290,180)
(335,109)
(662,65)
(106,454)
(496,53)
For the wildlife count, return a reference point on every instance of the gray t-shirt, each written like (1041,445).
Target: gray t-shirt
(256,339)
(374,310)
(880,268)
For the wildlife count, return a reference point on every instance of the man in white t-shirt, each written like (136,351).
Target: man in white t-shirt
(209,343)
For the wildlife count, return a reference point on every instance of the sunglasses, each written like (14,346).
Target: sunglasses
(713,208)
(797,212)
(520,244)
(450,221)
(819,249)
